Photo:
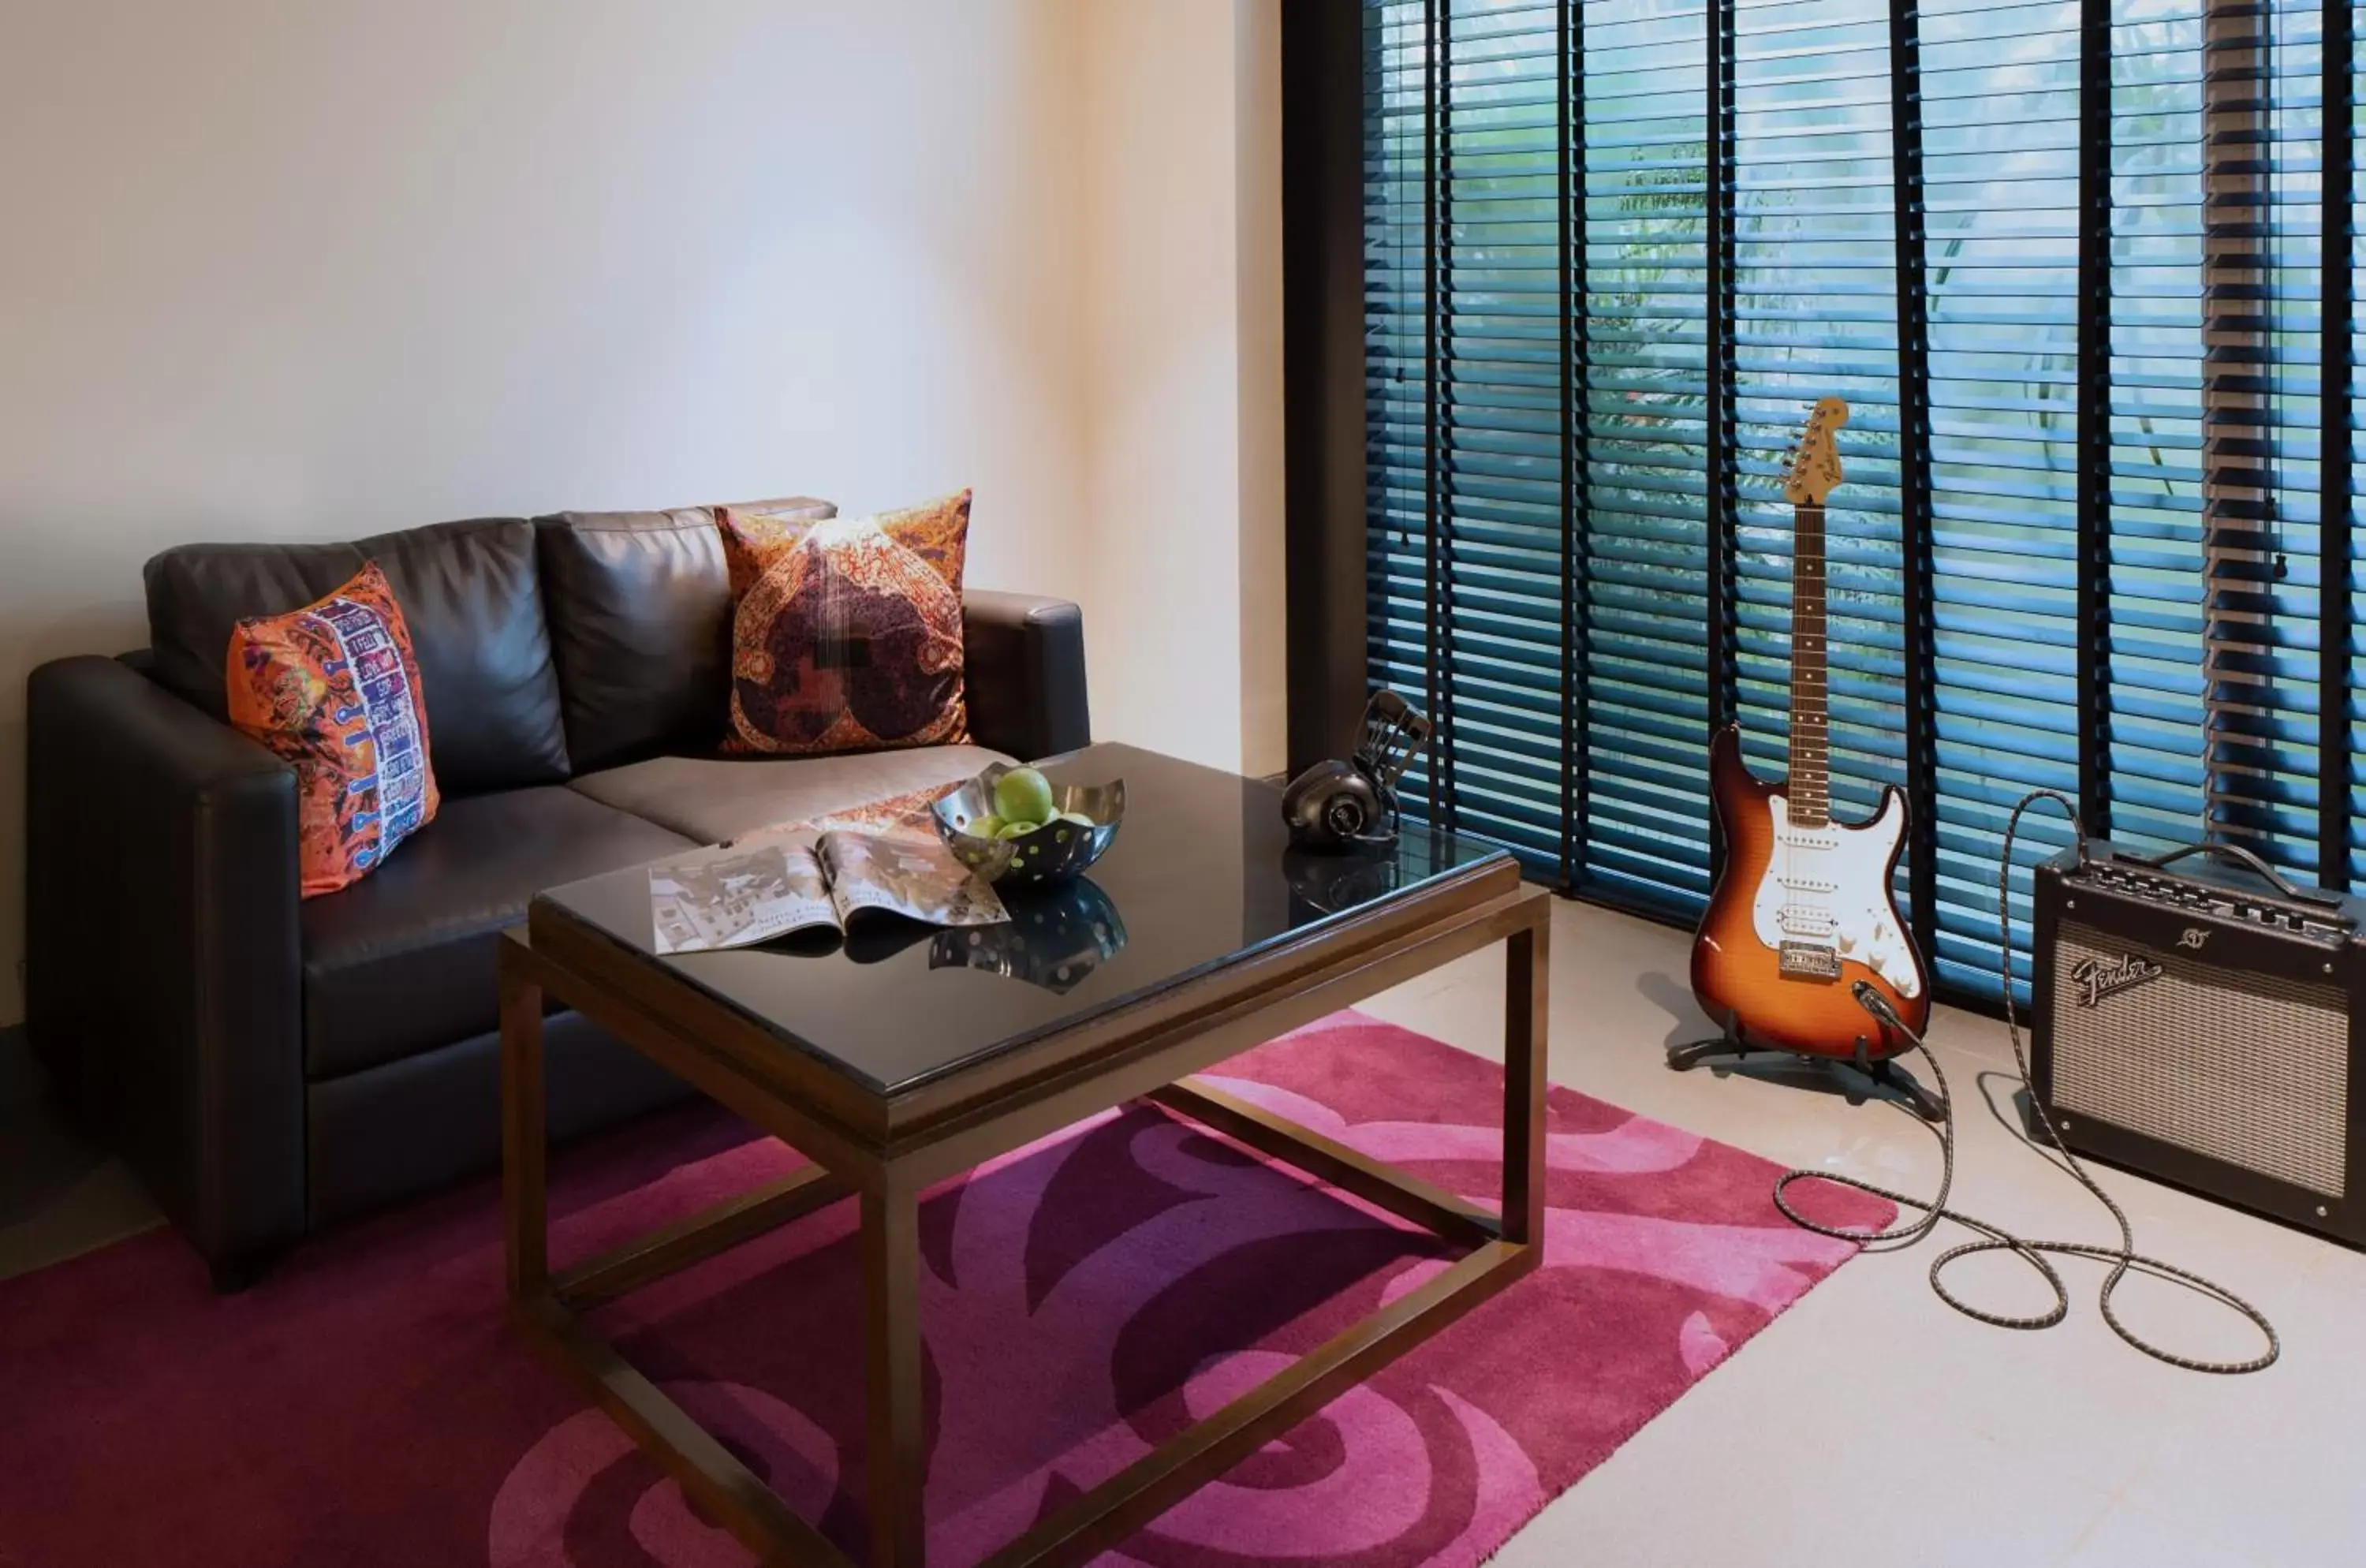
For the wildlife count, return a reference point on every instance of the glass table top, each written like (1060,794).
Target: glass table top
(1203,872)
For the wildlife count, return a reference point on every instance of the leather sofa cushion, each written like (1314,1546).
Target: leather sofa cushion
(402,961)
(378,1137)
(715,798)
(639,605)
(469,594)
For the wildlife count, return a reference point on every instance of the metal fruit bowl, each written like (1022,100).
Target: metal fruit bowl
(1052,852)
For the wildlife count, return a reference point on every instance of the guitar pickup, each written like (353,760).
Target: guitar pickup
(1807,961)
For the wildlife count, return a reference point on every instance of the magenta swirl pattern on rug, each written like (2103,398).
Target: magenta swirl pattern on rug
(1083,1300)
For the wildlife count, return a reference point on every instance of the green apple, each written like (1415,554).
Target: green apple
(1022,794)
(1016,830)
(986,827)
(1079,819)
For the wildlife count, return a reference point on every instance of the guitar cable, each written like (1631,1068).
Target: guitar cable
(2122,1257)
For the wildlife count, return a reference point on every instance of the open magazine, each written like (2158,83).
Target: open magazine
(783,880)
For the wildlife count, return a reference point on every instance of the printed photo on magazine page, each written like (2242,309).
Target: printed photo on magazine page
(738,899)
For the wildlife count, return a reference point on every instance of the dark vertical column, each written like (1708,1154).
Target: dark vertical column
(2239,459)
(526,1131)
(2094,413)
(1575,826)
(1526,965)
(1323,372)
(1441,390)
(1384,617)
(1434,346)
(1722,495)
(897,1455)
(1914,553)
(2337,299)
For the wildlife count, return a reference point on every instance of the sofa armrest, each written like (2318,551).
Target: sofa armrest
(1025,665)
(162,964)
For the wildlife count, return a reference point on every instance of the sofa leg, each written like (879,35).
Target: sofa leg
(233,1275)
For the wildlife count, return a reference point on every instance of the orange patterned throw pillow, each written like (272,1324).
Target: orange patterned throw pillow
(845,632)
(333,690)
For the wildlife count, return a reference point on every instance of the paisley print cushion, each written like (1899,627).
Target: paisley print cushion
(845,632)
(757,532)
(332,688)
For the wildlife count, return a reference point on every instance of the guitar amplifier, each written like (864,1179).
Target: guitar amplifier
(2205,1026)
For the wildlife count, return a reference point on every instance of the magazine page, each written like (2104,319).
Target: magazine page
(907,874)
(906,814)
(737,897)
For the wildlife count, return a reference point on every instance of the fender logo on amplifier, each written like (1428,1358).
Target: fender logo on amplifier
(2099,978)
(2193,936)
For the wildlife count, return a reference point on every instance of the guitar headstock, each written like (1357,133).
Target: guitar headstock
(1815,469)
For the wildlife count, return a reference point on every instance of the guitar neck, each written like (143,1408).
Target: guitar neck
(1809,790)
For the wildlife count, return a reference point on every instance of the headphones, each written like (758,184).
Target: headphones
(1332,806)
(1335,805)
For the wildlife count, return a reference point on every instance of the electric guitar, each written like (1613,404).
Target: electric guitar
(1802,910)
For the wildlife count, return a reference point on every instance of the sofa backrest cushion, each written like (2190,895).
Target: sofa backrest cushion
(469,594)
(640,626)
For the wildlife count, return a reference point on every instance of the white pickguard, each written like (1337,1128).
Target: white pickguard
(1830,886)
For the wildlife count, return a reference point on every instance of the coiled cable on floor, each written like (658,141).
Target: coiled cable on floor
(2122,1257)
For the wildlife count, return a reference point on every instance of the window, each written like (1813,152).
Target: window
(2062,259)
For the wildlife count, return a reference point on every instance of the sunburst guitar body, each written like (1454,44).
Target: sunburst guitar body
(1801,914)
(1802,910)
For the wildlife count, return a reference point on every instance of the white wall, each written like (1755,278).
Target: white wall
(313,268)
(1183,239)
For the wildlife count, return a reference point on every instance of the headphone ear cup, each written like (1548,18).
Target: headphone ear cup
(1344,814)
(1309,804)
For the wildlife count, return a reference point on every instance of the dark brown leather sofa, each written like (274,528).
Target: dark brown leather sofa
(271,1065)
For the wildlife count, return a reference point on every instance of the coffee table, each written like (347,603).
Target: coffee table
(894,1068)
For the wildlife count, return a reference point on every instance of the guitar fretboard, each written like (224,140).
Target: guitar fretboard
(1809,790)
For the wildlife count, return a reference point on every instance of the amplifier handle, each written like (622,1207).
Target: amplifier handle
(2237,853)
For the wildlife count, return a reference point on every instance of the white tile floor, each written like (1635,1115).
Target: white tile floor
(1870,1425)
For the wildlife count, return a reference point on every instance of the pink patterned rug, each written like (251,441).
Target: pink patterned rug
(1082,1300)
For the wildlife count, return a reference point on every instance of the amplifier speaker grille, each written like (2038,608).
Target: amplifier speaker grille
(2245,1069)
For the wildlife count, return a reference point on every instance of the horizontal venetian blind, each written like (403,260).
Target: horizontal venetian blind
(1464,297)
(2084,270)
(1815,312)
(1998,87)
(2260,102)
(1644,500)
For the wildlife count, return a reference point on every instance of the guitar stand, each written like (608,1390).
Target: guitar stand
(1884,1072)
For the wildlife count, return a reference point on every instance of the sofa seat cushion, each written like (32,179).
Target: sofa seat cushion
(715,798)
(402,961)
